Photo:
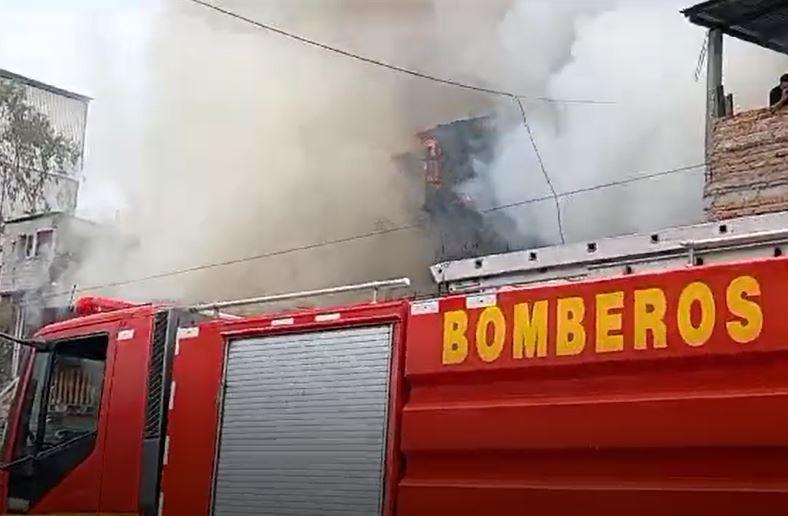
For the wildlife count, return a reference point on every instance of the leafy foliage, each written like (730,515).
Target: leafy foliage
(32,153)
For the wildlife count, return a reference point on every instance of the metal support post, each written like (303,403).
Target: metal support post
(714,90)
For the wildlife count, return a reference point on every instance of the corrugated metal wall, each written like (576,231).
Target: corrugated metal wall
(304,424)
(67,114)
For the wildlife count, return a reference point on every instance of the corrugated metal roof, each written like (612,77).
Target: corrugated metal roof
(5,74)
(33,216)
(763,22)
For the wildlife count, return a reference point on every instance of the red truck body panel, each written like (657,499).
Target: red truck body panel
(108,480)
(659,393)
(187,475)
(187,479)
(602,427)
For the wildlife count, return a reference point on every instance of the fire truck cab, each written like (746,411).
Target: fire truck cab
(84,423)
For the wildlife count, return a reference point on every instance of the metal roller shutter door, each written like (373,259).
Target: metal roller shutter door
(304,424)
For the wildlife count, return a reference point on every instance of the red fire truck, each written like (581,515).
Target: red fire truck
(637,375)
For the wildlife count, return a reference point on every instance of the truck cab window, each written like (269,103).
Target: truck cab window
(74,394)
(58,417)
(31,407)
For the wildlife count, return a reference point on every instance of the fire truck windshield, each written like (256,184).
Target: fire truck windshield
(56,416)
(74,393)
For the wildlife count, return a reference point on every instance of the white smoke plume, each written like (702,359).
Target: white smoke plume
(210,140)
(640,54)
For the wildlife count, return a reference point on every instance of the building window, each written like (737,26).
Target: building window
(39,243)
(26,246)
(44,240)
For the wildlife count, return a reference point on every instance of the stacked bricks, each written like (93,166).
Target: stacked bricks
(748,164)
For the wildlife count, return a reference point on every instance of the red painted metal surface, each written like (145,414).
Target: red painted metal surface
(13,428)
(197,369)
(192,423)
(83,325)
(398,395)
(126,416)
(90,305)
(680,413)
(697,426)
(108,480)
(80,490)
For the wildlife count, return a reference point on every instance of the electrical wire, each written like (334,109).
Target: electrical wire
(383,64)
(362,236)
(328,243)
(517,98)
(262,256)
(542,168)
(599,186)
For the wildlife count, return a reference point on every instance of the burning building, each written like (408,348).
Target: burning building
(453,156)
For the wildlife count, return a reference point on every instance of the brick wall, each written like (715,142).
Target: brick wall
(748,164)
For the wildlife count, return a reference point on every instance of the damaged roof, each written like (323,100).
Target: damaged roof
(763,22)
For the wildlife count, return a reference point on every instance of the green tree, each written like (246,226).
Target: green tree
(32,155)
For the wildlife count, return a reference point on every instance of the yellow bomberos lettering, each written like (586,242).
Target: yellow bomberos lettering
(530,330)
(488,348)
(608,322)
(557,327)
(700,293)
(650,307)
(750,323)
(455,343)
(570,334)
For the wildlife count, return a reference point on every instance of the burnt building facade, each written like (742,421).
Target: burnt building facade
(452,157)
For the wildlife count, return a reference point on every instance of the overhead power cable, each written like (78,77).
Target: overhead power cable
(600,186)
(364,236)
(339,241)
(383,64)
(376,62)
(544,172)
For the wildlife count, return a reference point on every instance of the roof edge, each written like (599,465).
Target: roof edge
(5,74)
(689,11)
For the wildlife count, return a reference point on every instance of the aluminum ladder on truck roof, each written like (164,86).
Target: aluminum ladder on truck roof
(736,239)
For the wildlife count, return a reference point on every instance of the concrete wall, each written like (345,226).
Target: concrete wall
(748,164)
(19,272)
(22,273)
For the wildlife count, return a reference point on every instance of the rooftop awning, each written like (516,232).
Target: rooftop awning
(763,22)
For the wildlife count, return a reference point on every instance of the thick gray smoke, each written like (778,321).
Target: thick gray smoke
(211,140)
